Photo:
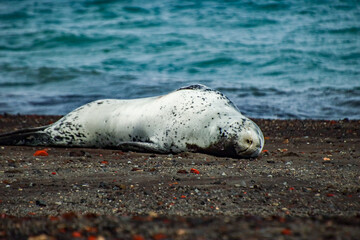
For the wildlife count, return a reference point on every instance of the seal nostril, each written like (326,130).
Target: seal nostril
(249,141)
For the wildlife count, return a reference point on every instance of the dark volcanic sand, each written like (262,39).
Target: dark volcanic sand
(290,192)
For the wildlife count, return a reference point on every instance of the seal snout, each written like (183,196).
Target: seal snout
(251,143)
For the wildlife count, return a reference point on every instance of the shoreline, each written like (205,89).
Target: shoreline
(305,183)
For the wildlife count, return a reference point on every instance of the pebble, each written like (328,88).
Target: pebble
(40,203)
(243,183)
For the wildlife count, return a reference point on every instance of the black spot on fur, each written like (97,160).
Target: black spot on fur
(194,87)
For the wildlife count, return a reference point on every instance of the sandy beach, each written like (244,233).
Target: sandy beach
(305,185)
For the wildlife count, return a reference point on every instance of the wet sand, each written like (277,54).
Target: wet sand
(305,185)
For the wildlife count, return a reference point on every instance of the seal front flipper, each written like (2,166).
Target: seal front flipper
(140,147)
(29,136)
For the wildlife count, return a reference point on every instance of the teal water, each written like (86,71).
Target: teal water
(274,59)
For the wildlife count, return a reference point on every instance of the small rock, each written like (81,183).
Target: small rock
(217,182)
(135,169)
(80,153)
(40,203)
(243,183)
(291,154)
(120,186)
(104,185)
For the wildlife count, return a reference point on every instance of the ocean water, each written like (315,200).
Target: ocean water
(273,59)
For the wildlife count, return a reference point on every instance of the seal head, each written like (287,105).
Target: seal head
(251,141)
(238,139)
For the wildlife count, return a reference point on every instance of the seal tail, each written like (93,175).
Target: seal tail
(29,136)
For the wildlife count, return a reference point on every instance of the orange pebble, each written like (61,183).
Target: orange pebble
(76,234)
(193,170)
(286,231)
(159,236)
(41,153)
(138,237)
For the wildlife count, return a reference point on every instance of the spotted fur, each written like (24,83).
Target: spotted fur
(193,118)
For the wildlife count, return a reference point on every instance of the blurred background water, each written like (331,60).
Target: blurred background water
(273,59)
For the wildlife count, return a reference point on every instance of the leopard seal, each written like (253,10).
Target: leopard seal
(193,118)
